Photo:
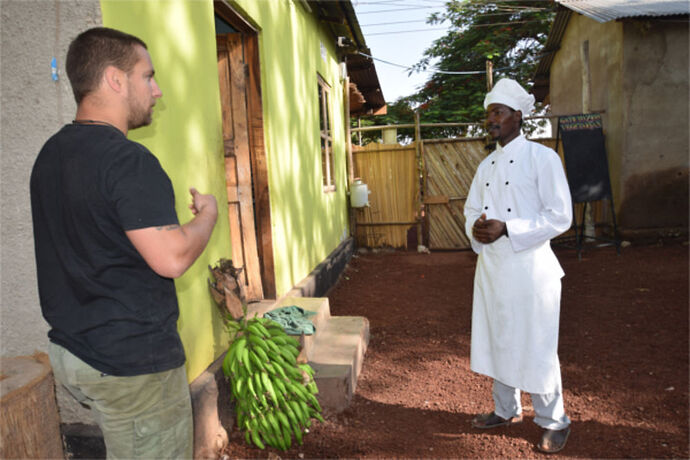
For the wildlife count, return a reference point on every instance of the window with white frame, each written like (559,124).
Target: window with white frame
(327,163)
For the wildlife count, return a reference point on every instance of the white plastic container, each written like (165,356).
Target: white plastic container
(359,194)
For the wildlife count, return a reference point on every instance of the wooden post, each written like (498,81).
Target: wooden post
(586,101)
(418,156)
(489,75)
(350,163)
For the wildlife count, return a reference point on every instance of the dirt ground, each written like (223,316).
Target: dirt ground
(623,350)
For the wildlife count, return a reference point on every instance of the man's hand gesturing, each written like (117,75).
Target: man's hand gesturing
(201,201)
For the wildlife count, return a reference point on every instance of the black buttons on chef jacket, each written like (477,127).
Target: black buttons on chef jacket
(508,209)
(506,182)
(511,161)
(486,207)
(487,184)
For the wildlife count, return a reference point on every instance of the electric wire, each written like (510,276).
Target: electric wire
(436,71)
(406,31)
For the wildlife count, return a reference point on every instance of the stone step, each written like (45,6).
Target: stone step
(337,354)
(317,305)
(335,351)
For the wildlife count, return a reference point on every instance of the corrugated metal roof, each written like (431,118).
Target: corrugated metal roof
(600,11)
(608,10)
(552,45)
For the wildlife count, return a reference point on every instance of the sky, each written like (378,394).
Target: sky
(396,32)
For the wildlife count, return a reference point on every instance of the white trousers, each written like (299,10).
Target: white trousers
(548,408)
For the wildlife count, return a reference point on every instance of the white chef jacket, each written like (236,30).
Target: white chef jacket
(517,285)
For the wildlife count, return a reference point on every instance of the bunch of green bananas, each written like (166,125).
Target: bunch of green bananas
(273,393)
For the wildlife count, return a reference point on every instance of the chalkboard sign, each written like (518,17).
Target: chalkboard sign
(584,153)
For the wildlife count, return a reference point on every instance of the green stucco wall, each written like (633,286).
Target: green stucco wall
(186,137)
(307,224)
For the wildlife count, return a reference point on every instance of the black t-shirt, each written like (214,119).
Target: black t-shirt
(103,302)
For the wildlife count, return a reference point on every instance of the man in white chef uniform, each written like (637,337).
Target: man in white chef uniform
(518,201)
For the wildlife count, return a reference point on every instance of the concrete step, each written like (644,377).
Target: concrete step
(337,355)
(335,351)
(317,305)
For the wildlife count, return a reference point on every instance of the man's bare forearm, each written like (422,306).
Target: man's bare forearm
(197,232)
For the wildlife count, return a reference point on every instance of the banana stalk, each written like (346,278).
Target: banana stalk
(273,393)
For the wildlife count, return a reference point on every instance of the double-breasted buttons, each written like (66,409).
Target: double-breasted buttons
(508,209)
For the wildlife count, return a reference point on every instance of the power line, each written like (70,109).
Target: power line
(446,28)
(445,72)
(397,9)
(391,23)
(402,2)
(505,23)
(406,31)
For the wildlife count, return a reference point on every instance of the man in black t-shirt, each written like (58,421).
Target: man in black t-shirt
(108,245)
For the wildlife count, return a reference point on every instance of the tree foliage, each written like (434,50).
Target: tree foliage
(509,33)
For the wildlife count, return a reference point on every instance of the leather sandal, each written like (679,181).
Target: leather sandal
(487,421)
(553,441)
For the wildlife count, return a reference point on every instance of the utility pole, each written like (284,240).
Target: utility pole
(489,75)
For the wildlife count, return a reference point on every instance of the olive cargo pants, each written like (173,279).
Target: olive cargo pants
(144,416)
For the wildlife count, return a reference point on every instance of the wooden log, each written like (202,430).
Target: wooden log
(29,420)
(436,199)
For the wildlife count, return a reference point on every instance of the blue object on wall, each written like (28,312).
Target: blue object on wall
(53,69)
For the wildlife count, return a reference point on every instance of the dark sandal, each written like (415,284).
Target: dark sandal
(486,421)
(553,441)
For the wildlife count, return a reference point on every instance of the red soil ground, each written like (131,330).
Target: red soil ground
(623,350)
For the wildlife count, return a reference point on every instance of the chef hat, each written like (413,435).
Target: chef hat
(509,92)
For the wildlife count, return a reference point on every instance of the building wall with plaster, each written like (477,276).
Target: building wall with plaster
(33,107)
(636,73)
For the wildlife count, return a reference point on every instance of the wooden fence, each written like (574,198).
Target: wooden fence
(448,168)
(418,194)
(391,173)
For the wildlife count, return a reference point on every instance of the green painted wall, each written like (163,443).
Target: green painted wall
(307,224)
(186,137)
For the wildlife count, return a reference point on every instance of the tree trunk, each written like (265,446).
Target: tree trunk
(29,420)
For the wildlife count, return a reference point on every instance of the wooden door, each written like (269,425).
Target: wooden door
(232,75)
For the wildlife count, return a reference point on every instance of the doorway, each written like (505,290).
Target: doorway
(246,175)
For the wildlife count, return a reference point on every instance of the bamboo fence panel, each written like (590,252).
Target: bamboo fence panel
(449,165)
(390,172)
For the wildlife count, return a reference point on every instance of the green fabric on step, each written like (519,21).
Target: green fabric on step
(294,319)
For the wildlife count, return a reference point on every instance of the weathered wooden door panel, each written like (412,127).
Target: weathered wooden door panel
(232,73)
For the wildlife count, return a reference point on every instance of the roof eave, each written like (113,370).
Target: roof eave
(341,20)
(541,78)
